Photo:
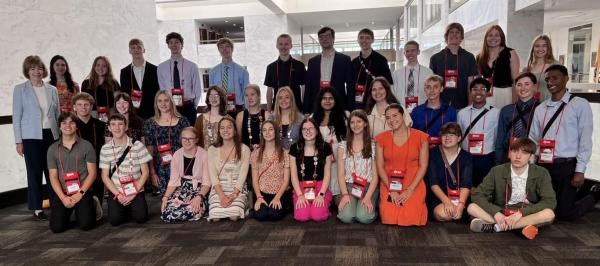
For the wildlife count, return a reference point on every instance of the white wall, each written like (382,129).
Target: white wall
(77,29)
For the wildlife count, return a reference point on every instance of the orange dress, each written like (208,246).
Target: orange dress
(406,158)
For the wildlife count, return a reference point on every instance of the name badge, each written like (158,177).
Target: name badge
(547,147)
(166,155)
(476,144)
(308,188)
(454,196)
(72,183)
(325,84)
(396,179)
(360,92)
(433,141)
(128,186)
(231,102)
(136,98)
(102,112)
(177,94)
(509,211)
(359,186)
(411,102)
(451,78)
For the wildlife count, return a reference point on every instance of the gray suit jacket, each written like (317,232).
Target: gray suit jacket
(27,114)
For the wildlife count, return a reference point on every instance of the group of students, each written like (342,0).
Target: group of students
(345,133)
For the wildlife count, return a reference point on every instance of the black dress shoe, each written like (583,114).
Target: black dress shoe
(40,216)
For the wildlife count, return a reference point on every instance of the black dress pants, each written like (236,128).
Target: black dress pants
(137,209)
(85,213)
(36,163)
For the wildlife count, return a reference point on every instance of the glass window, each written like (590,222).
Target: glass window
(432,12)
(412,20)
(454,4)
(580,55)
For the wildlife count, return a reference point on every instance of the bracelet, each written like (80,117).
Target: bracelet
(260,197)
(461,203)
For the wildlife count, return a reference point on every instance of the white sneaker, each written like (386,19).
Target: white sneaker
(98,207)
(480,226)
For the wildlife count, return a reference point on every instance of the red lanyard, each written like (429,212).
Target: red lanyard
(418,79)
(173,70)
(450,169)
(131,77)
(427,118)
(268,166)
(192,161)
(362,65)
(471,120)
(290,75)
(407,143)
(446,61)
(116,159)
(226,161)
(528,120)
(59,151)
(354,163)
(559,121)
(169,139)
(506,196)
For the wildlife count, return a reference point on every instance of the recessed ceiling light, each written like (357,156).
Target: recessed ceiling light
(347,24)
(242,28)
(321,25)
(226,21)
(227,32)
(234,24)
(372,22)
(572,15)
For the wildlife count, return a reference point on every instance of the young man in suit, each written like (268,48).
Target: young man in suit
(329,69)
(141,83)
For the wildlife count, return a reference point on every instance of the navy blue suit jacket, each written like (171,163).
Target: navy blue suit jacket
(342,79)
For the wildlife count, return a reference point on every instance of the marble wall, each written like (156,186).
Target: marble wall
(77,29)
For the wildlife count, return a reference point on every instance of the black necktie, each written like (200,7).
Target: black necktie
(176,82)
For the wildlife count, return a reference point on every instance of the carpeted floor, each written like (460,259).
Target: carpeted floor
(248,242)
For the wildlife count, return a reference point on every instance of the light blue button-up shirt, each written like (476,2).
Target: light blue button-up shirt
(188,77)
(487,125)
(573,135)
(238,79)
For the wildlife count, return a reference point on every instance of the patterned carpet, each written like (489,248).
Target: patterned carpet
(248,242)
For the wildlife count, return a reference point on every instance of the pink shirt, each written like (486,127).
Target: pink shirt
(199,170)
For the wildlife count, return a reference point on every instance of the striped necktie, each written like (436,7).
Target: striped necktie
(411,84)
(225,79)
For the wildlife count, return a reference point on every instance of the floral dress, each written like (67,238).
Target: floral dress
(156,135)
(178,205)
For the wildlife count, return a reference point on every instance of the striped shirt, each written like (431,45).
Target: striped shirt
(131,166)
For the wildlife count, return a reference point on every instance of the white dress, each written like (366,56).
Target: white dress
(232,176)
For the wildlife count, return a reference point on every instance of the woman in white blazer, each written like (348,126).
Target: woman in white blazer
(35,115)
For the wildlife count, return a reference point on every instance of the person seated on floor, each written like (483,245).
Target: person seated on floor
(228,164)
(271,175)
(310,168)
(124,166)
(448,176)
(72,166)
(184,199)
(514,195)
(357,175)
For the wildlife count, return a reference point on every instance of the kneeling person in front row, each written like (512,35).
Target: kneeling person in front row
(124,165)
(514,195)
(72,167)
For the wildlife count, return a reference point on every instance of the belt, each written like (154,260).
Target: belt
(563,160)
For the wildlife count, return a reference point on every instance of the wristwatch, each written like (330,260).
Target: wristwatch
(321,194)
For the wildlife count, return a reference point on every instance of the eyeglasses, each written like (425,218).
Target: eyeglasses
(450,135)
(188,139)
(308,130)
(325,36)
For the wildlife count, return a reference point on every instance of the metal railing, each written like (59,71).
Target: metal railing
(340,46)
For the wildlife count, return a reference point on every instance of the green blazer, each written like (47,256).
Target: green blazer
(490,194)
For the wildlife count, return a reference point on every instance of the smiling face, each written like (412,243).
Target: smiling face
(540,48)
(118,128)
(226,130)
(365,41)
(433,89)
(284,99)
(68,127)
(101,67)
(82,108)
(450,140)
(268,132)
(357,125)
(525,88)
(309,131)
(225,50)
(478,94)
(252,97)
(556,81)
(326,39)
(454,37)
(214,99)
(411,53)
(36,74)
(175,46)
(60,67)
(327,102)
(378,92)
(164,103)
(188,139)
(122,106)
(394,118)
(493,38)
(284,45)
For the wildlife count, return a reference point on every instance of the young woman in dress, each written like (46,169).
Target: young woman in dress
(185,197)
(287,116)
(228,168)
(380,97)
(60,77)
(248,122)
(207,123)
(101,84)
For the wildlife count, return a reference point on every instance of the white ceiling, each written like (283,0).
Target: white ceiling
(348,20)
(570,13)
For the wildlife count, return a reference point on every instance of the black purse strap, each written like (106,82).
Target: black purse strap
(119,162)
(435,119)
(474,122)
(551,121)
(447,165)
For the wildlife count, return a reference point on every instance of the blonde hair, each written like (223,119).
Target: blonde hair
(157,112)
(293,108)
(549,55)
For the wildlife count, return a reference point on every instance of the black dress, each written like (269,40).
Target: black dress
(251,127)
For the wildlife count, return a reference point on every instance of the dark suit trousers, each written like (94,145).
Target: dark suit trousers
(60,218)
(36,164)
